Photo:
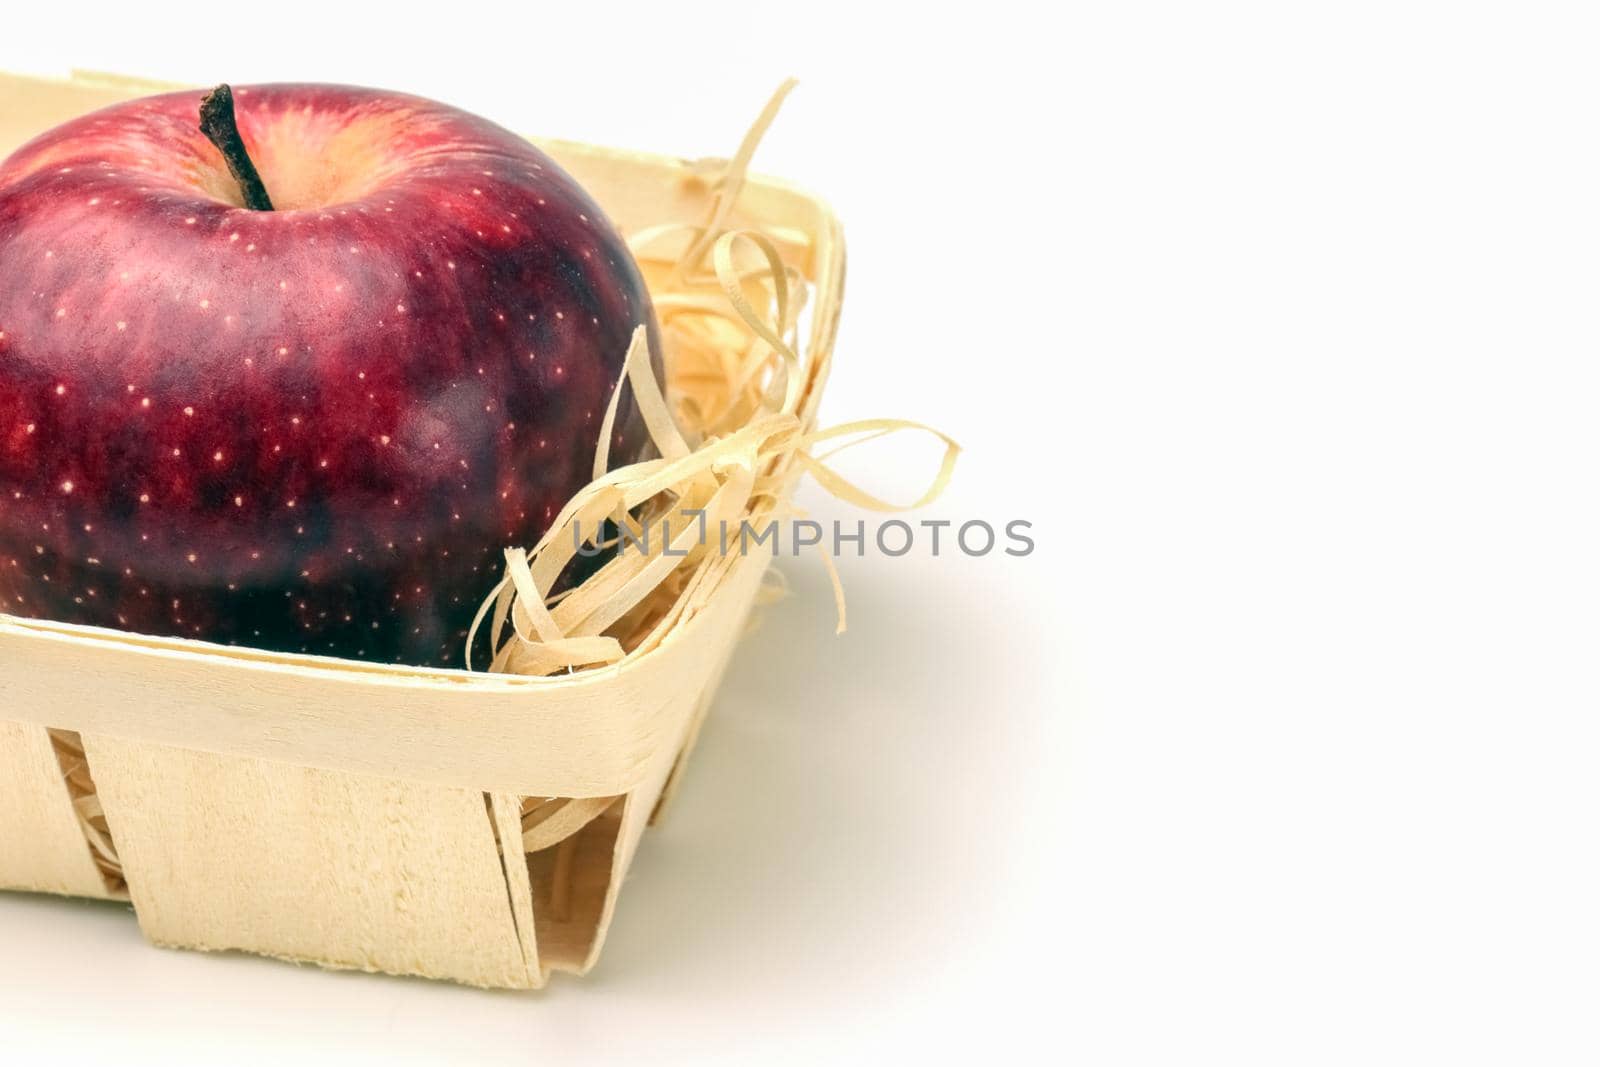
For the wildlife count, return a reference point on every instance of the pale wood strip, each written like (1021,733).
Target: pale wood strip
(506,810)
(343,870)
(42,846)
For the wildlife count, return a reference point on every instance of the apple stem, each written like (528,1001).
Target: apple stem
(222,129)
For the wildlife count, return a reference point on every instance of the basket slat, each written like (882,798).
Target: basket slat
(42,846)
(344,870)
(505,811)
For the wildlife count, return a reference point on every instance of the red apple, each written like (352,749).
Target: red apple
(312,428)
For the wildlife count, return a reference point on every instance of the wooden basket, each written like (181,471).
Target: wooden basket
(354,815)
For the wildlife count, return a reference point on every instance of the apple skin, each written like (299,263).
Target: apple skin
(312,429)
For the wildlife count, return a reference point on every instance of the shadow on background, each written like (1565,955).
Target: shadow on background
(823,833)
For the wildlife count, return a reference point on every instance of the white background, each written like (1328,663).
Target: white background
(1279,321)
